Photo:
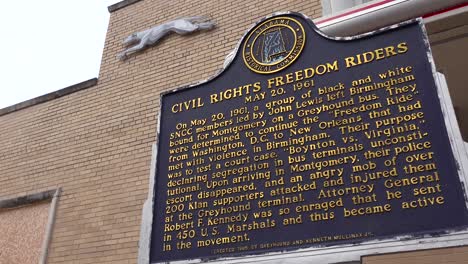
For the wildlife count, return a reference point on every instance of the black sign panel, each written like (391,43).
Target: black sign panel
(305,141)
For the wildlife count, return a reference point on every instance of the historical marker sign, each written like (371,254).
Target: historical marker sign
(305,141)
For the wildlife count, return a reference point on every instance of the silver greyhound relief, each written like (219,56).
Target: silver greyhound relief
(146,38)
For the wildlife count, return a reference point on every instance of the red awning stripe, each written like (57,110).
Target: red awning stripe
(355,11)
(445,10)
(385,2)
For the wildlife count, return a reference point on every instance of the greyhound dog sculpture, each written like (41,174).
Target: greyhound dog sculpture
(149,37)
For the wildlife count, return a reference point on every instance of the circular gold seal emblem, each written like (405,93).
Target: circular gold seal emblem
(273,45)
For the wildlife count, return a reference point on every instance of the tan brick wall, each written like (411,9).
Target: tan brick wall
(96,143)
(453,255)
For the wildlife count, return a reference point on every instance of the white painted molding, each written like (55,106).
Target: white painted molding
(49,227)
(378,14)
(147,214)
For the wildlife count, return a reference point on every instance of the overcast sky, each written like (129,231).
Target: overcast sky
(47,45)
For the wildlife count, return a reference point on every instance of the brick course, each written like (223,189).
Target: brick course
(437,256)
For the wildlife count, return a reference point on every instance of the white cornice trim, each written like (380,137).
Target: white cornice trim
(378,14)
